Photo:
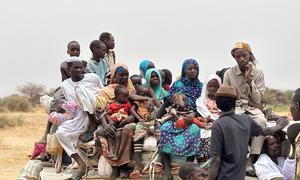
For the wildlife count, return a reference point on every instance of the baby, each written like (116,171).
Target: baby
(69,111)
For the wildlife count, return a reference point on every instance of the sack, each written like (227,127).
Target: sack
(104,168)
(39,148)
(150,144)
(32,169)
(52,144)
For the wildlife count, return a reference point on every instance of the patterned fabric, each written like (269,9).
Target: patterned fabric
(160,93)
(205,148)
(189,87)
(119,112)
(180,142)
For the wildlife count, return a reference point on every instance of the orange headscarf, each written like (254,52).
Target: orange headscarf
(246,46)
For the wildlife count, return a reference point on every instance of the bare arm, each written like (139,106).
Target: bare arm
(135,114)
(272,130)
(213,170)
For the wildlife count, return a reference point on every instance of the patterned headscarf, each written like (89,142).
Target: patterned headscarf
(160,93)
(144,66)
(189,87)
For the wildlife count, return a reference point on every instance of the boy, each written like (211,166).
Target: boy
(109,41)
(97,64)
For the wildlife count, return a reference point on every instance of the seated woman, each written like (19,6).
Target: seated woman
(144,112)
(119,76)
(69,131)
(181,142)
(154,81)
(207,107)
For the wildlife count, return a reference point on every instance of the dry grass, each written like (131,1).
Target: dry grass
(16,142)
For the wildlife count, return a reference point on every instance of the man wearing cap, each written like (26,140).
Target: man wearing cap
(230,136)
(250,84)
(81,89)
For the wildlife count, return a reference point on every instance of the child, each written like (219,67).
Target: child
(116,116)
(144,112)
(179,109)
(191,171)
(110,55)
(73,50)
(136,80)
(69,111)
(97,64)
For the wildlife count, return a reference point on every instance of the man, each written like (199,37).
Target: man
(230,136)
(292,163)
(79,88)
(251,86)
(269,165)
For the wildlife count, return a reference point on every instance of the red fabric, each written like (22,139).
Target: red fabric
(116,108)
(180,123)
(166,87)
(39,148)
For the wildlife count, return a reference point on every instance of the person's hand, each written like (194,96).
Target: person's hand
(189,118)
(206,119)
(282,122)
(248,70)
(109,130)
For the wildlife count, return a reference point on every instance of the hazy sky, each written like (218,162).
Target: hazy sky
(34,35)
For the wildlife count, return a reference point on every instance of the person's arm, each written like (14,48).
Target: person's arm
(215,165)
(216,151)
(226,80)
(256,88)
(135,114)
(162,111)
(272,130)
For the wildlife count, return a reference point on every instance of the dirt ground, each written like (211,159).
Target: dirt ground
(16,143)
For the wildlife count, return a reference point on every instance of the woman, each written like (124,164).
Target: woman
(119,76)
(144,66)
(181,142)
(207,108)
(154,81)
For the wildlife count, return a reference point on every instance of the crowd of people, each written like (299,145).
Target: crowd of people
(214,121)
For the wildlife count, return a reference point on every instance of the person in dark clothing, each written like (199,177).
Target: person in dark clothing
(230,136)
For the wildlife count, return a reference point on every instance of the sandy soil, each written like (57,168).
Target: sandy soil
(16,143)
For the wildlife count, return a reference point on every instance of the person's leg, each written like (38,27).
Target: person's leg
(117,144)
(82,167)
(111,146)
(256,144)
(166,160)
(114,173)
(137,155)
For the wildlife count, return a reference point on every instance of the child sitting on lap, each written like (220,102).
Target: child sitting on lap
(69,110)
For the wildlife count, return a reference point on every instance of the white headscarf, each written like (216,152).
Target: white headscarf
(201,101)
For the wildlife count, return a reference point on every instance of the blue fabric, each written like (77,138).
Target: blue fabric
(144,66)
(180,142)
(190,87)
(100,68)
(160,93)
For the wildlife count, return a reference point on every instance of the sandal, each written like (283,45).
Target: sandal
(135,174)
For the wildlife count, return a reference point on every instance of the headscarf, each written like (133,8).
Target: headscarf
(106,95)
(144,66)
(246,46)
(160,93)
(189,87)
(201,102)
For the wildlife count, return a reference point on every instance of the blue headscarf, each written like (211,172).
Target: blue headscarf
(160,93)
(144,66)
(190,87)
